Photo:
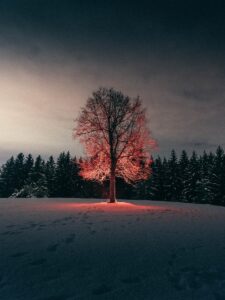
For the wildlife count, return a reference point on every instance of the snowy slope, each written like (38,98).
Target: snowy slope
(60,249)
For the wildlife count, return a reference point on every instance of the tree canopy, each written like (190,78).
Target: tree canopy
(114,131)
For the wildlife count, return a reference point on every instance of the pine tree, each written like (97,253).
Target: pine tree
(78,180)
(36,185)
(204,181)
(50,169)
(183,170)
(19,171)
(28,165)
(211,158)
(173,176)
(191,185)
(217,182)
(157,181)
(38,169)
(65,176)
(8,182)
(141,189)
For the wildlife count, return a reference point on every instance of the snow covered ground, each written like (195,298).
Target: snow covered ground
(60,249)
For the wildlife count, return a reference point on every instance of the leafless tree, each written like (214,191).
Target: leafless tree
(113,129)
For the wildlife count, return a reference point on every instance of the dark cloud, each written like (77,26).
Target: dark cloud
(117,26)
(205,94)
(170,52)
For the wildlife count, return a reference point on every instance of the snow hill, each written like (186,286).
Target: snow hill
(60,249)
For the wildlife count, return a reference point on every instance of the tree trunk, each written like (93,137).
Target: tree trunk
(112,188)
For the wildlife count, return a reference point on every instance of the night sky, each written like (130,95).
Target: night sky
(53,54)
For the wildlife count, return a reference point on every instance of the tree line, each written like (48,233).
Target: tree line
(197,179)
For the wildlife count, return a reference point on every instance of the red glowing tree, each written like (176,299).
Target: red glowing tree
(113,129)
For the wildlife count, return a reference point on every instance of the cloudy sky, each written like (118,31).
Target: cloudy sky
(53,54)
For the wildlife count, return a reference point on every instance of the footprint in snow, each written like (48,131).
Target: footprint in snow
(2,282)
(56,297)
(52,248)
(11,232)
(11,226)
(131,280)
(192,279)
(33,225)
(29,225)
(18,254)
(67,218)
(70,239)
(38,262)
(102,289)
(41,226)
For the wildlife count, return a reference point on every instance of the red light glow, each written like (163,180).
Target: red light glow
(118,207)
